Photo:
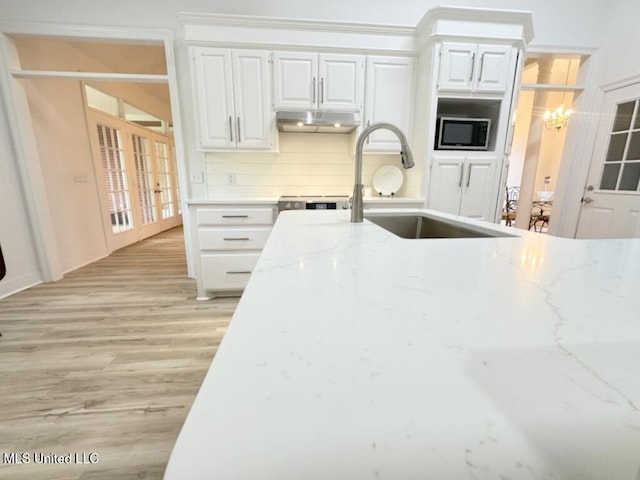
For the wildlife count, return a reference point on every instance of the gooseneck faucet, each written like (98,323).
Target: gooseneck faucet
(357,208)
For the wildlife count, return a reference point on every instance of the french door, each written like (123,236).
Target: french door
(611,203)
(138,180)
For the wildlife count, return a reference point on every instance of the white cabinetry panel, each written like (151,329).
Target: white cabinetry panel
(295,80)
(494,69)
(235,216)
(227,272)
(251,99)
(341,82)
(214,91)
(389,97)
(303,81)
(474,68)
(477,197)
(463,185)
(456,66)
(232,98)
(228,240)
(445,188)
(232,238)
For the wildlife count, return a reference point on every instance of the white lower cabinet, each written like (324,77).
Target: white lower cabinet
(463,185)
(227,242)
(224,272)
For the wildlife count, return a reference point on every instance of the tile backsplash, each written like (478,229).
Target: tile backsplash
(307,164)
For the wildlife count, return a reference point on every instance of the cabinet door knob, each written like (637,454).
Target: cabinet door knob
(469,175)
(461,175)
(322,90)
(238,131)
(230,129)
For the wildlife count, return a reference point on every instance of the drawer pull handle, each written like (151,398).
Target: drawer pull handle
(236,238)
(235,216)
(239,272)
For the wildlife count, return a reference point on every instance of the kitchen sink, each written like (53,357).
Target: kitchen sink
(420,226)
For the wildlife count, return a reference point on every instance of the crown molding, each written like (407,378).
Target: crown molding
(427,25)
(274,23)
(111,34)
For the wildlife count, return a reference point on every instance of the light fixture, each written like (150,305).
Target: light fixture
(299,124)
(337,125)
(559,117)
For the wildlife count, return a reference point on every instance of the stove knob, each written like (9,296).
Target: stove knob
(296,206)
(345,206)
(288,206)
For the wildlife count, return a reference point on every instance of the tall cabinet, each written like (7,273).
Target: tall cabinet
(471,77)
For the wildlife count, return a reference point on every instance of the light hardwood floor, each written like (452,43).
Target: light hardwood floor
(106,361)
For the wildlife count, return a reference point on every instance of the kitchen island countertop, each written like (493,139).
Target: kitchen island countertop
(355,354)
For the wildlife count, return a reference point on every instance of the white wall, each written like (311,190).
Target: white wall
(57,115)
(567,22)
(15,235)
(308,163)
(620,58)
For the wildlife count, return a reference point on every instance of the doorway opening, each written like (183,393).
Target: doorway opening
(133,155)
(79,156)
(549,84)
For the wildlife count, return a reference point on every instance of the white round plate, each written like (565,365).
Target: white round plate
(388,180)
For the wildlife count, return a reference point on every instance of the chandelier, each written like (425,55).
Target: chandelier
(558,118)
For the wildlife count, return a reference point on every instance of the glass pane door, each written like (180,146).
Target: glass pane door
(165,180)
(621,169)
(166,183)
(114,170)
(144,178)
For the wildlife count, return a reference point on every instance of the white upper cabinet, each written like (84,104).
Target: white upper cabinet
(475,67)
(303,81)
(389,98)
(232,100)
(463,185)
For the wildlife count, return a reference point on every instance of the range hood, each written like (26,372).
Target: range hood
(314,121)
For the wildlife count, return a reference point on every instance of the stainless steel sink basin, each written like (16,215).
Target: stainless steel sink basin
(420,226)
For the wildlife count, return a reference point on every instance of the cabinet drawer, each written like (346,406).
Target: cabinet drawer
(232,238)
(227,272)
(235,216)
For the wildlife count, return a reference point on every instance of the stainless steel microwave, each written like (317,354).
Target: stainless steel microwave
(462,133)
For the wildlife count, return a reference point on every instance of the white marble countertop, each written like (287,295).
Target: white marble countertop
(235,200)
(377,200)
(355,354)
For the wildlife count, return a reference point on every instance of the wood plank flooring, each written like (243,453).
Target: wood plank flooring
(106,361)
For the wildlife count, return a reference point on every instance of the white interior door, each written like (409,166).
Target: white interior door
(611,203)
